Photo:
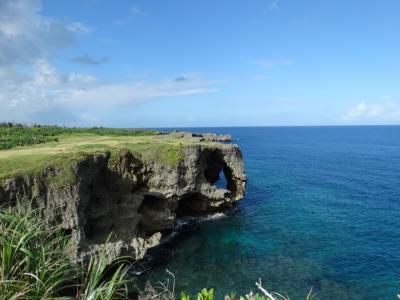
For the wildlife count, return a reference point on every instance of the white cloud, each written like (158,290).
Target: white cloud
(355,112)
(268,63)
(388,111)
(45,74)
(33,90)
(79,95)
(111,95)
(78,27)
(81,78)
(25,35)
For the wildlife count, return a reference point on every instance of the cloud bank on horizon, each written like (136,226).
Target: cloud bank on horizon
(388,111)
(141,65)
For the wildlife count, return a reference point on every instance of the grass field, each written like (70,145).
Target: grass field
(29,159)
(72,146)
(14,135)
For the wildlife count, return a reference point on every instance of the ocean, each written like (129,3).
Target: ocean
(321,211)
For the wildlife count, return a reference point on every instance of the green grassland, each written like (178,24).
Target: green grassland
(65,147)
(14,135)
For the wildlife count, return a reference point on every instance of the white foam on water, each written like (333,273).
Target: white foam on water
(215,216)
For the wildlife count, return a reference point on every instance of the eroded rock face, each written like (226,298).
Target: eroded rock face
(133,200)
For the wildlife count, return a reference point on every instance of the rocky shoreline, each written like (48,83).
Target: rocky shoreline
(135,200)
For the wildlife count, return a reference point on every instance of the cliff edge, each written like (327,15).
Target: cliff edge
(131,188)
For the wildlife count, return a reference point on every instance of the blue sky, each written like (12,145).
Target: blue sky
(171,63)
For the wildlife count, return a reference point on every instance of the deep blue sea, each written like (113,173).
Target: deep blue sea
(322,211)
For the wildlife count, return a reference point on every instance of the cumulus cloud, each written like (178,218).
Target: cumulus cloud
(82,95)
(23,94)
(111,95)
(33,90)
(268,63)
(81,78)
(387,111)
(45,74)
(25,35)
(78,27)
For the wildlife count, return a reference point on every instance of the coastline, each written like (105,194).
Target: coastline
(133,187)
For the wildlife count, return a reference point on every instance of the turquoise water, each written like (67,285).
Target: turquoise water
(322,210)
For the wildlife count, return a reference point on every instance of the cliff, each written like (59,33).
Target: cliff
(130,187)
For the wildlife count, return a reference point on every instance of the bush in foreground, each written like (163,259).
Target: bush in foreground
(34,264)
(163,292)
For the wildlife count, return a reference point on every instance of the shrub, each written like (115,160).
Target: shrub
(34,264)
(163,291)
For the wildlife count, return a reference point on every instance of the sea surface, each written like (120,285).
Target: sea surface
(322,211)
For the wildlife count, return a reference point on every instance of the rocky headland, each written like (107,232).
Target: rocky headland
(203,137)
(124,197)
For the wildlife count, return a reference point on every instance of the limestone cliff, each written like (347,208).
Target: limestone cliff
(136,200)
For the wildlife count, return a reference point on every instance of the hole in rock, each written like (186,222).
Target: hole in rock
(221,183)
(218,173)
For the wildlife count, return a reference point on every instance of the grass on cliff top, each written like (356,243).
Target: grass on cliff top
(14,135)
(69,149)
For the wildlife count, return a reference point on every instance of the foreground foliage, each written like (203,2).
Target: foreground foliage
(34,264)
(13,135)
(163,291)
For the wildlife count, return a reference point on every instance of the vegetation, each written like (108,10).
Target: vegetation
(34,264)
(66,150)
(30,150)
(14,135)
(164,292)
(66,154)
(168,152)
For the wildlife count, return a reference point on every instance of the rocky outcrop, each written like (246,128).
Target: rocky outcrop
(135,201)
(212,137)
(203,137)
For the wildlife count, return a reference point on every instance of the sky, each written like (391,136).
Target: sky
(192,63)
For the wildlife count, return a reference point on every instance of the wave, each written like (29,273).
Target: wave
(215,216)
